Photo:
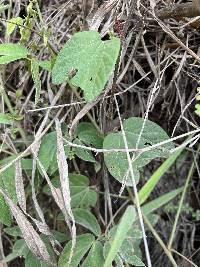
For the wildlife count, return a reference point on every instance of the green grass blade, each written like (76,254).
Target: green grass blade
(160,201)
(146,190)
(124,226)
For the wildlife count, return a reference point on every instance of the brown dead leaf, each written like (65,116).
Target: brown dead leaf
(31,237)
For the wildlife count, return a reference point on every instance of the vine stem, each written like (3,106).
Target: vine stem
(166,250)
(180,206)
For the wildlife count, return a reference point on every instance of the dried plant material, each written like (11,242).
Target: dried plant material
(56,192)
(177,11)
(42,225)
(64,181)
(31,237)
(19,186)
(176,39)
(152,4)
(81,114)
(149,59)
(98,17)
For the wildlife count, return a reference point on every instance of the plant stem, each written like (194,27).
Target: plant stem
(11,109)
(186,259)
(39,13)
(87,114)
(112,195)
(180,206)
(166,250)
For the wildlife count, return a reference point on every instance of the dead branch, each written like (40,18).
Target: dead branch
(189,9)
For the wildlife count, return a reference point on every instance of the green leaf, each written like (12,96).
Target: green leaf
(47,149)
(31,261)
(5,215)
(148,187)
(75,181)
(81,194)
(119,261)
(27,164)
(153,219)
(160,201)
(92,58)
(13,231)
(5,119)
(117,162)
(47,153)
(10,52)
(89,135)
(20,248)
(78,180)
(83,244)
(132,259)
(131,244)
(95,257)
(12,24)
(87,219)
(130,248)
(59,236)
(197,111)
(82,153)
(7,182)
(36,78)
(45,64)
(124,226)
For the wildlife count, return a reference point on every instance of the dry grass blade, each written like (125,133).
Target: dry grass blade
(57,195)
(42,225)
(64,180)
(177,40)
(98,17)
(56,192)
(19,185)
(149,59)
(31,237)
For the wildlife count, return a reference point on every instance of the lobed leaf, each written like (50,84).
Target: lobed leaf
(92,58)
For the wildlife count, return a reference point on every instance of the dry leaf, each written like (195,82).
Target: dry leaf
(64,181)
(19,186)
(31,237)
